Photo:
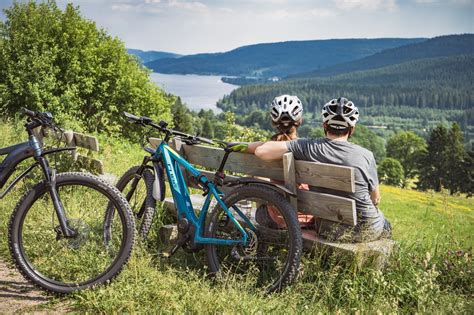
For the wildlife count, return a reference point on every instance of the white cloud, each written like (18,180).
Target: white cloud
(188,5)
(158,6)
(366,4)
(124,7)
(456,2)
(298,14)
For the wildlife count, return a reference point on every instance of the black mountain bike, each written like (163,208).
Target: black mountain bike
(250,233)
(58,235)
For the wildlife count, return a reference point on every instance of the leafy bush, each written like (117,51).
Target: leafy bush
(58,61)
(391,172)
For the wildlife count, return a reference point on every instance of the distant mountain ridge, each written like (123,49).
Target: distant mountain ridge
(147,56)
(441,46)
(278,59)
(440,82)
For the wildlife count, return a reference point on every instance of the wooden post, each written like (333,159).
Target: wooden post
(68,137)
(290,176)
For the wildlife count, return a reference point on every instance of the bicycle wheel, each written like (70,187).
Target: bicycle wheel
(138,190)
(271,258)
(96,254)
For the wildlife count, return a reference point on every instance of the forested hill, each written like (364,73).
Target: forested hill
(147,56)
(443,82)
(436,47)
(278,59)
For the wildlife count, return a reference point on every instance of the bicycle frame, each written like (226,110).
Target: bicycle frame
(172,163)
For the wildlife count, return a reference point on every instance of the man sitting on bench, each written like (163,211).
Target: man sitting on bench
(339,119)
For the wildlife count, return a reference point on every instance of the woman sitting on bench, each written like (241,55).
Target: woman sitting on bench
(287,116)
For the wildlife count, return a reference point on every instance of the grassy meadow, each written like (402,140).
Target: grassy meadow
(431,272)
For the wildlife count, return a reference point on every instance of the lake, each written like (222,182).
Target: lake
(197,91)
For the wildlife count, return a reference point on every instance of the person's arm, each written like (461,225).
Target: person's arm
(271,150)
(252,146)
(375,196)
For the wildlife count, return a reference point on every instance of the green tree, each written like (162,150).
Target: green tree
(207,129)
(459,172)
(444,163)
(366,138)
(182,118)
(58,61)
(407,148)
(391,172)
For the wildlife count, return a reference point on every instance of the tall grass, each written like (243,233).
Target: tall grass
(431,272)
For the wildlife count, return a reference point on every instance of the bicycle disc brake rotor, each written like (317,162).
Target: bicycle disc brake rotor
(82,230)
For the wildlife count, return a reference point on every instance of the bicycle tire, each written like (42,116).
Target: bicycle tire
(290,271)
(17,234)
(145,219)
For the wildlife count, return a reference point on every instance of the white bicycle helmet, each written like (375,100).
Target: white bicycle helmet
(286,110)
(340,113)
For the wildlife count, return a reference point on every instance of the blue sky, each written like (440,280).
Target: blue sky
(211,25)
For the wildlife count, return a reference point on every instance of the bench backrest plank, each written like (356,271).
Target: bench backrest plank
(238,162)
(325,175)
(85,141)
(74,139)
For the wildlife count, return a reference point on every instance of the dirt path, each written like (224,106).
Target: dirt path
(19,296)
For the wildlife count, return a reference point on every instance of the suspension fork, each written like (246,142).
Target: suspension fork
(50,176)
(135,181)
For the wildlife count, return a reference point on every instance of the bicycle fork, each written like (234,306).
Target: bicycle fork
(50,176)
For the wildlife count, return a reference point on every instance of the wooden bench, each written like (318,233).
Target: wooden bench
(75,139)
(329,207)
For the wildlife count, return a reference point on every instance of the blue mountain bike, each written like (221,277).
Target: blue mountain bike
(252,232)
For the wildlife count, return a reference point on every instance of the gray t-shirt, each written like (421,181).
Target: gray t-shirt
(345,153)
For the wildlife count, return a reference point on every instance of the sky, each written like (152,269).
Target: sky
(197,26)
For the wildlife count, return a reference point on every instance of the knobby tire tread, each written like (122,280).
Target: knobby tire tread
(150,202)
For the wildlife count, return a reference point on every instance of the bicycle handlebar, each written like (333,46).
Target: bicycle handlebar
(161,126)
(42,118)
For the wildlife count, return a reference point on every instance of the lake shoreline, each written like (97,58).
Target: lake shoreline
(196,91)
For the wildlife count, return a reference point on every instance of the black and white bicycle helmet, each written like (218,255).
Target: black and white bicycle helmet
(340,113)
(286,110)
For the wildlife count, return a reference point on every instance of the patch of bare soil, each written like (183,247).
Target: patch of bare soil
(17,295)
